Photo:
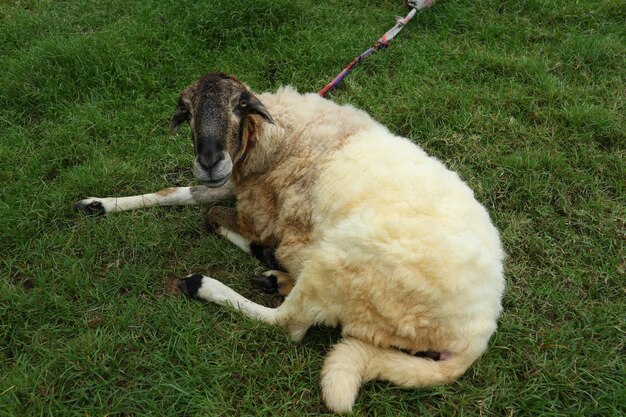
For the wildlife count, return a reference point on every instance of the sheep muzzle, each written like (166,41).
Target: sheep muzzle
(217,173)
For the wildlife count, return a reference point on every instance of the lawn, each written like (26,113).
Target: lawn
(524,98)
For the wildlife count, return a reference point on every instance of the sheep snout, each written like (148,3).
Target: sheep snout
(214,173)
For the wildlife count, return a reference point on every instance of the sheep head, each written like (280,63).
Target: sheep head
(219,110)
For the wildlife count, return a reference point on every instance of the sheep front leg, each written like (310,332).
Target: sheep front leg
(223,222)
(166,197)
(273,281)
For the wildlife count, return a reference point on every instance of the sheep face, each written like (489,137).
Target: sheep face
(218,108)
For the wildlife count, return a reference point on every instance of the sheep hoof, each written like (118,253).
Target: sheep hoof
(90,208)
(210,226)
(265,254)
(190,285)
(266,283)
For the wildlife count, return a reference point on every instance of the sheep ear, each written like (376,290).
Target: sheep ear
(180,117)
(256,107)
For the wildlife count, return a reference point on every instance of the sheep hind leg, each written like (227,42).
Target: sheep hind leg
(205,288)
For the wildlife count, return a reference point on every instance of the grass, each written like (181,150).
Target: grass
(524,98)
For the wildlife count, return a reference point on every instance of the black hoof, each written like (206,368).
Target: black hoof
(267,255)
(267,284)
(95,208)
(190,285)
(211,227)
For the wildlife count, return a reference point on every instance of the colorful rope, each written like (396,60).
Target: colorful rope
(382,43)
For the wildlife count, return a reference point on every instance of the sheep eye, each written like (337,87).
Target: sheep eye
(243,103)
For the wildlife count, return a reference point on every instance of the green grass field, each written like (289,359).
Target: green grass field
(524,98)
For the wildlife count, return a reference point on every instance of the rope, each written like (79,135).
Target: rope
(382,43)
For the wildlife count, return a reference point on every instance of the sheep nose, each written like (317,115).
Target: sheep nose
(207,162)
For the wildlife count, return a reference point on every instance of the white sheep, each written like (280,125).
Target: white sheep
(364,229)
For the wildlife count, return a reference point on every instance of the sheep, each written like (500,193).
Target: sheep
(362,229)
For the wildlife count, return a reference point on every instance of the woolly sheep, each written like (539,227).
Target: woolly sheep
(362,228)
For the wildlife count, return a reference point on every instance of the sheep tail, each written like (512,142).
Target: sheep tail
(352,362)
